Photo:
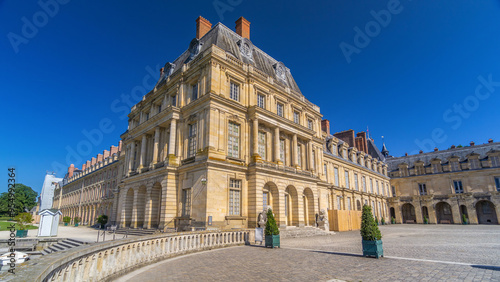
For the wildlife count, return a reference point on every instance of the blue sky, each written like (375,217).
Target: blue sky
(427,76)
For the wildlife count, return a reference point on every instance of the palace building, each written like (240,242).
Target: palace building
(443,186)
(89,192)
(226,133)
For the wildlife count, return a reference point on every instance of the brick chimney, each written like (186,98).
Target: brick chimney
(436,149)
(472,143)
(490,140)
(452,147)
(243,27)
(71,169)
(421,152)
(325,126)
(406,154)
(347,136)
(361,142)
(84,166)
(202,27)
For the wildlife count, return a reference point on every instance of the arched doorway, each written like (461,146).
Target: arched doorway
(291,206)
(463,211)
(425,213)
(393,213)
(141,207)
(408,213)
(270,198)
(443,213)
(486,213)
(128,207)
(308,198)
(155,205)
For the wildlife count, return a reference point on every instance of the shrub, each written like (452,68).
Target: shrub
(393,220)
(102,219)
(369,228)
(66,219)
(464,218)
(271,226)
(383,221)
(24,220)
(426,220)
(76,220)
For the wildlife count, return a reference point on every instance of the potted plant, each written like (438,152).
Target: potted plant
(376,220)
(76,220)
(426,220)
(102,220)
(370,234)
(66,220)
(272,232)
(465,220)
(23,221)
(382,221)
(393,220)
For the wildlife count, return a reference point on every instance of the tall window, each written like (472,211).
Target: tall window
(282,150)
(339,207)
(194,94)
(279,109)
(186,202)
(356,184)
(265,199)
(393,191)
(313,160)
(234,140)
(376,183)
(364,183)
(262,145)
(296,117)
(497,183)
(347,180)
(459,189)
(371,185)
(325,169)
(234,196)
(159,108)
(495,161)
(235,92)
(454,166)
(336,175)
(310,124)
(261,101)
(173,100)
(299,155)
(192,140)
(422,189)
(348,203)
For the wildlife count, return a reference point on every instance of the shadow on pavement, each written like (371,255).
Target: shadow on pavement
(488,267)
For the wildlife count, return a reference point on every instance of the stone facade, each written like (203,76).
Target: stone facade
(227,132)
(444,185)
(89,192)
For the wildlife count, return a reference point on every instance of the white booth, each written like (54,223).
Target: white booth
(49,221)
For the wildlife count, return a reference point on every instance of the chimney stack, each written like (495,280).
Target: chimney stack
(406,154)
(202,27)
(71,169)
(243,27)
(436,149)
(421,152)
(325,126)
(472,143)
(452,147)
(490,140)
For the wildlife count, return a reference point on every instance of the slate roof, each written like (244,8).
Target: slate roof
(226,39)
(461,153)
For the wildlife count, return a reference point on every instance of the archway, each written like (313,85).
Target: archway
(463,211)
(444,213)
(308,198)
(486,213)
(270,198)
(141,207)
(291,206)
(408,213)
(155,205)
(128,207)
(393,213)
(425,213)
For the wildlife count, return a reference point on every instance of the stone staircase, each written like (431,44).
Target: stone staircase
(63,246)
(137,232)
(299,232)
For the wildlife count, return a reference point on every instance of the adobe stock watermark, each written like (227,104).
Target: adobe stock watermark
(94,137)
(456,114)
(31,26)
(222,6)
(372,29)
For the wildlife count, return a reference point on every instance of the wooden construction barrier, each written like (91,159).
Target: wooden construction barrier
(341,220)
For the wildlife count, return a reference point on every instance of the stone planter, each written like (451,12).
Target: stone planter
(76,224)
(372,248)
(65,224)
(21,233)
(273,241)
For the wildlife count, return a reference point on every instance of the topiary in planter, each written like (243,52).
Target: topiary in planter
(382,221)
(426,220)
(102,220)
(272,232)
(465,220)
(76,220)
(370,234)
(66,220)
(393,220)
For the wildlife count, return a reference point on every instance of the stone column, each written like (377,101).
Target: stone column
(143,152)
(131,158)
(294,151)
(133,221)
(277,146)
(155,146)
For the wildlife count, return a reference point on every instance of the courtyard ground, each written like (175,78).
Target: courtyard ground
(412,253)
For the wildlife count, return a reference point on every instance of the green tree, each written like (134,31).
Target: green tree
(24,197)
(271,226)
(369,229)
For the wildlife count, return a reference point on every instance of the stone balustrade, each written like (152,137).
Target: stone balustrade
(108,260)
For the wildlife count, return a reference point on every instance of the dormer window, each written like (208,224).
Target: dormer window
(474,163)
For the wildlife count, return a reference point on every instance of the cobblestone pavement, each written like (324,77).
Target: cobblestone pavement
(412,253)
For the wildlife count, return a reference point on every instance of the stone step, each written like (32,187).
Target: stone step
(62,246)
(307,231)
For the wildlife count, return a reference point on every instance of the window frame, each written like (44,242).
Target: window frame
(194,94)
(262,143)
(234,91)
(192,142)
(232,203)
(422,189)
(458,190)
(259,96)
(280,109)
(186,202)
(233,137)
